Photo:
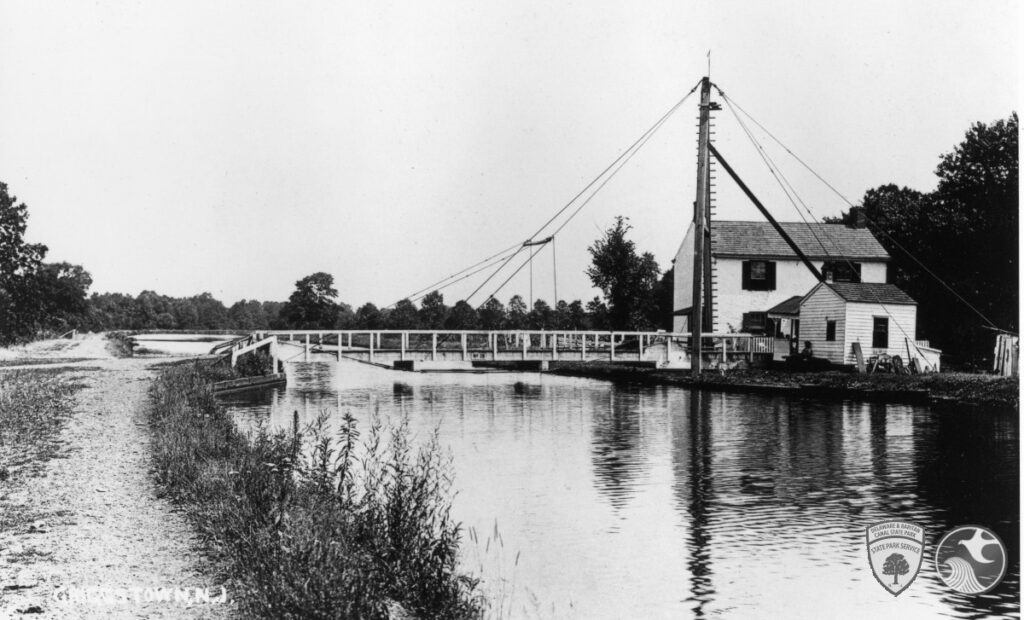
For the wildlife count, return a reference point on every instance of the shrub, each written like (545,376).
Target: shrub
(326,535)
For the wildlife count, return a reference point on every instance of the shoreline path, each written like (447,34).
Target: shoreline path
(99,542)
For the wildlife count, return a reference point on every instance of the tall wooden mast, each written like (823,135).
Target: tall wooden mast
(702,230)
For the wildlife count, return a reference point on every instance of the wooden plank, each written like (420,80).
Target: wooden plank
(857,353)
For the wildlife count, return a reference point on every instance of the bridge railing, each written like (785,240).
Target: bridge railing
(477,344)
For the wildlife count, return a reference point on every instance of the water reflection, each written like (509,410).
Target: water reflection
(661,502)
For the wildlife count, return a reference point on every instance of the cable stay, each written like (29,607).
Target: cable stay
(733,106)
(593,187)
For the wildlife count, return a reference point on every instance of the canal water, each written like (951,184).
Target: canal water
(588,499)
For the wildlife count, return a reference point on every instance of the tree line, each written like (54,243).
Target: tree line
(954,250)
(40,299)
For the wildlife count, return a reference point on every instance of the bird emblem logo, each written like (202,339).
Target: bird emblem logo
(971,559)
(895,550)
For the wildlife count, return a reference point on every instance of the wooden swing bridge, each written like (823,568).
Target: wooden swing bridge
(462,350)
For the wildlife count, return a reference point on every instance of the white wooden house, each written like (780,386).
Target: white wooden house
(753,270)
(881,317)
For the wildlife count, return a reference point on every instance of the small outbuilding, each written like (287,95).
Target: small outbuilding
(880,317)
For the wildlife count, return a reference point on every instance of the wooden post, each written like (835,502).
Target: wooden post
(525,344)
(465,352)
(306,354)
(433,346)
(700,228)
(611,340)
(494,345)
(554,346)
(339,346)
(371,346)
(401,338)
(583,351)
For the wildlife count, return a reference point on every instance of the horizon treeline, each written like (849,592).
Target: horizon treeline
(150,310)
(955,250)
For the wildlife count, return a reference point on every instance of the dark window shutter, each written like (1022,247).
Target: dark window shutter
(746,275)
(770,280)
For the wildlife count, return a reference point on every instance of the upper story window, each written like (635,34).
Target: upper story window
(842,271)
(758,275)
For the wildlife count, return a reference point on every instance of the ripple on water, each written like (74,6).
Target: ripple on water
(656,501)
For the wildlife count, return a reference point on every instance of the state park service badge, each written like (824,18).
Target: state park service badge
(895,550)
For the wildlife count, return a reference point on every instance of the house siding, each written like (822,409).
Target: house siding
(860,324)
(682,285)
(873,272)
(731,301)
(821,305)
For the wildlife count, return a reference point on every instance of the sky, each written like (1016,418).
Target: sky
(236,147)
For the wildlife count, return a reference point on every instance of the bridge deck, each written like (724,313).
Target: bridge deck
(391,346)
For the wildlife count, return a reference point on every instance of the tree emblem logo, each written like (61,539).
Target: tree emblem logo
(971,559)
(895,550)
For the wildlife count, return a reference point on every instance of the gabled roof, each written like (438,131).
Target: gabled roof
(818,241)
(790,307)
(870,293)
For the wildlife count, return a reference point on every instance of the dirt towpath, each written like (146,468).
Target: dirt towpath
(99,543)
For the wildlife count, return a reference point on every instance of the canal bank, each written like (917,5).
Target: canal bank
(951,388)
(85,533)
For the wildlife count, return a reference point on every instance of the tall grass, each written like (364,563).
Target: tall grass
(360,527)
(33,406)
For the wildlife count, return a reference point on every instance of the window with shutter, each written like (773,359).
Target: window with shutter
(758,275)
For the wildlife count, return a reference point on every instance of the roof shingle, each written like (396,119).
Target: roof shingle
(871,293)
(817,241)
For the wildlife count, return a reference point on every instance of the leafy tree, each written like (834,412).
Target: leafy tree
(598,316)
(626,278)
(368,316)
(516,313)
(492,315)
(16,256)
(403,316)
(248,315)
(18,261)
(576,316)
(433,311)
(895,565)
(975,210)
(312,305)
(463,316)
(542,316)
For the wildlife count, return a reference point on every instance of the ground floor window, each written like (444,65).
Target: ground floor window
(880,333)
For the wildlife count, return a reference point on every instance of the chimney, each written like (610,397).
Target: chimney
(860,220)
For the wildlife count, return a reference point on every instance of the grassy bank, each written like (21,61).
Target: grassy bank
(329,535)
(958,388)
(34,405)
